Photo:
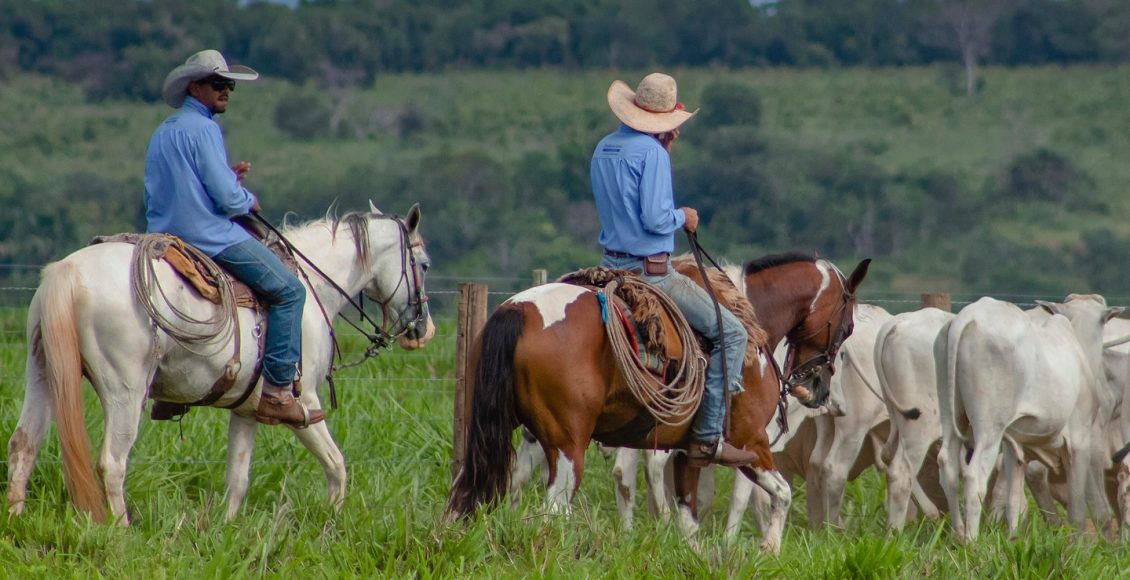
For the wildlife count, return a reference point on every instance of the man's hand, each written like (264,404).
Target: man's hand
(241,170)
(692,219)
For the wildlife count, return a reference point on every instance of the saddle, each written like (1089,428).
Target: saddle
(637,307)
(200,272)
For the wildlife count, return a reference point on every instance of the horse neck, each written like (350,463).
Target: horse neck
(782,297)
(336,256)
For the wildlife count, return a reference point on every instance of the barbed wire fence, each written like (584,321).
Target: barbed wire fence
(446,294)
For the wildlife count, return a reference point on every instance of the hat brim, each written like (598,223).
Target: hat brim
(622,101)
(175,88)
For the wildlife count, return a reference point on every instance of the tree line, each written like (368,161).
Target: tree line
(349,43)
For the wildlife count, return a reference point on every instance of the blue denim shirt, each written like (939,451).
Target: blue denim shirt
(631,183)
(190,190)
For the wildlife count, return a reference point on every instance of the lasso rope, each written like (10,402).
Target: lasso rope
(672,403)
(144,279)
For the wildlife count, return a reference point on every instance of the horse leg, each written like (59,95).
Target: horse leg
(565,469)
(23,446)
(528,458)
(318,440)
(686,491)
(624,476)
(123,416)
(705,490)
(780,498)
(241,443)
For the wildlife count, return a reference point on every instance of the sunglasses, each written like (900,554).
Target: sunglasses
(220,84)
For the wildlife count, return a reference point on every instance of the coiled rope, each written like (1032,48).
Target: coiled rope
(671,403)
(144,279)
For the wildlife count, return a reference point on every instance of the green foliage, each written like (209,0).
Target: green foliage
(1047,176)
(729,104)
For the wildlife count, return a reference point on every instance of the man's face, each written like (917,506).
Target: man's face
(213,92)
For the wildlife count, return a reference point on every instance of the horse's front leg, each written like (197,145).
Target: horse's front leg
(318,440)
(780,498)
(241,443)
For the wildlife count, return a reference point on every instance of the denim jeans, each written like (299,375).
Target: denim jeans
(695,304)
(255,265)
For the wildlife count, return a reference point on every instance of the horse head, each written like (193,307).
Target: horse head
(815,342)
(397,281)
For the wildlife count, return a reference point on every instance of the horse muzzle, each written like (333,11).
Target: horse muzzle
(811,388)
(418,335)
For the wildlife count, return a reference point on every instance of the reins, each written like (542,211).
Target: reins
(378,339)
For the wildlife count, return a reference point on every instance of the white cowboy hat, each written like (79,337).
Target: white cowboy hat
(654,107)
(200,65)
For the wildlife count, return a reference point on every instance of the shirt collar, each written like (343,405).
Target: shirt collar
(190,102)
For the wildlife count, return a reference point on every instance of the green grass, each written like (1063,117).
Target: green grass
(394,427)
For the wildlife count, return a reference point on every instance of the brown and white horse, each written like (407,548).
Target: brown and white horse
(543,360)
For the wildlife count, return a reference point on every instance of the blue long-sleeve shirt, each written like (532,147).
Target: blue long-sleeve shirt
(631,183)
(190,190)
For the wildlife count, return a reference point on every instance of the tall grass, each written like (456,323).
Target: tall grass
(394,426)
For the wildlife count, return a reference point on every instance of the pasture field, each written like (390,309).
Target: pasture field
(394,427)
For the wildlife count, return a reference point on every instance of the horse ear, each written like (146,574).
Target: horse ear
(373,208)
(858,274)
(412,220)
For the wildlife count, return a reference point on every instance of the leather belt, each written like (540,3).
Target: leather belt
(615,254)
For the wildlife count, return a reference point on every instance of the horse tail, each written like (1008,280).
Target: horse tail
(63,373)
(485,476)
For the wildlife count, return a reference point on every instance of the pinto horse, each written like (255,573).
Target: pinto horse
(543,360)
(87,319)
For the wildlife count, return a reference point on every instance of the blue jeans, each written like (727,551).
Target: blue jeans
(695,304)
(254,264)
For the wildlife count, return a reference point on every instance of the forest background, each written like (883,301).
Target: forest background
(971,146)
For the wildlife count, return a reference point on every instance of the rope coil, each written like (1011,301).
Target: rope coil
(672,403)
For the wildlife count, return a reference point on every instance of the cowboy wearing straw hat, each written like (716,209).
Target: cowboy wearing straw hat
(632,184)
(192,192)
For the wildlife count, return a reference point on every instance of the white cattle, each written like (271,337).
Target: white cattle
(841,433)
(904,361)
(1008,384)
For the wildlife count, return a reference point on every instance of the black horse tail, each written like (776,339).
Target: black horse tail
(485,476)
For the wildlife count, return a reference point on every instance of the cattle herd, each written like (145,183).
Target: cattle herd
(959,412)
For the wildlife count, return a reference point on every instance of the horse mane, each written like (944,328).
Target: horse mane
(773,260)
(356,222)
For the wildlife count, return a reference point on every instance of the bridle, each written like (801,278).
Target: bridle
(836,335)
(380,337)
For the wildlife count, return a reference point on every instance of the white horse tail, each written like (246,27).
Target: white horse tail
(63,373)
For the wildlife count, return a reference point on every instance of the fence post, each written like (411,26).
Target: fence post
(540,277)
(472,317)
(940,300)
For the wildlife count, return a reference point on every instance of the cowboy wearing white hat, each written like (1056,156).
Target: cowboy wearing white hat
(192,192)
(202,65)
(634,193)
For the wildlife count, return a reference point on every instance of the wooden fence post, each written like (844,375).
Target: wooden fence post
(472,317)
(539,278)
(940,300)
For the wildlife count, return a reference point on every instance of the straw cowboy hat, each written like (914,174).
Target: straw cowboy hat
(654,107)
(201,65)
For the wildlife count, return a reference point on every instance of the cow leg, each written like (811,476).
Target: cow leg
(844,449)
(1124,495)
(825,431)
(900,475)
(1101,511)
(1013,485)
(1036,475)
(739,501)
(976,482)
(706,490)
(624,478)
(656,473)
(949,469)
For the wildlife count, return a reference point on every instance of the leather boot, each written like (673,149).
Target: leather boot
(721,452)
(278,405)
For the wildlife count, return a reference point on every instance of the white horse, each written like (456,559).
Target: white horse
(85,320)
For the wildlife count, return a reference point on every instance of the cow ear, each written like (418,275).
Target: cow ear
(373,208)
(1051,307)
(1112,312)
